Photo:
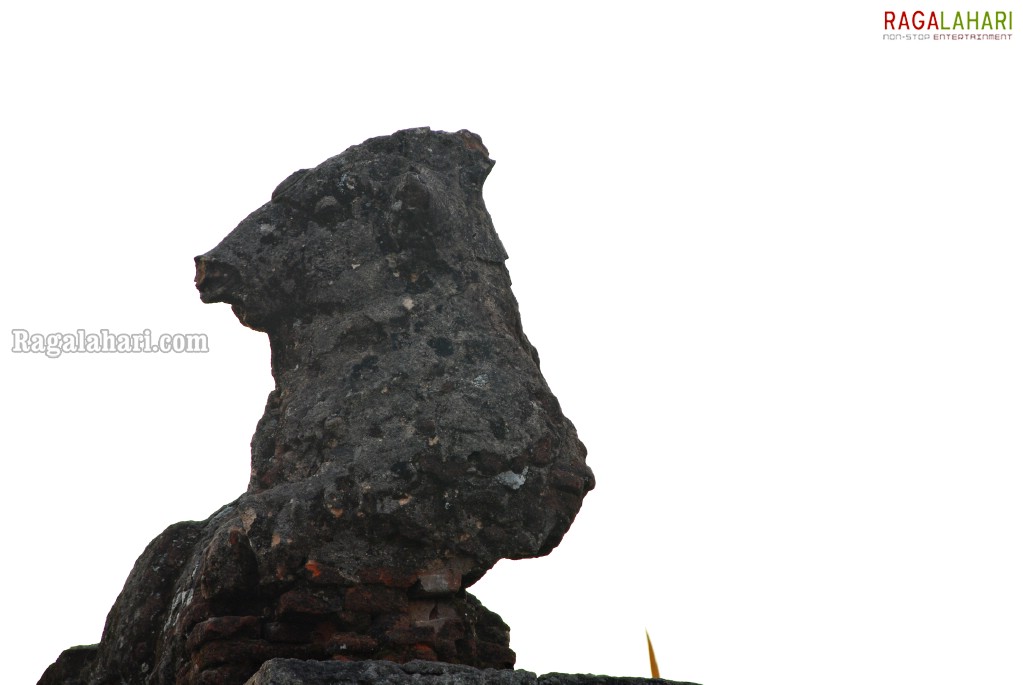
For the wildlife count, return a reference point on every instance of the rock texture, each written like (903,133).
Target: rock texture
(409,444)
(294,672)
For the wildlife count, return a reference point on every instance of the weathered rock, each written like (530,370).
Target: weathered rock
(71,667)
(409,444)
(295,672)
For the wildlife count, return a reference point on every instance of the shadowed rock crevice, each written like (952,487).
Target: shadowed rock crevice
(409,444)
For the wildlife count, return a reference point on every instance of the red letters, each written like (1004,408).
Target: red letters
(918,21)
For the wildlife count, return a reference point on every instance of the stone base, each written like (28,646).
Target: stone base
(376,623)
(295,672)
(324,624)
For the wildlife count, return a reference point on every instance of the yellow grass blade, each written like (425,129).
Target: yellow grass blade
(654,671)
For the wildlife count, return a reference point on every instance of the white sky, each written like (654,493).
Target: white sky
(772,264)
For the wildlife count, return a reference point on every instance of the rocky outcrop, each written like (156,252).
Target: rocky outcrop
(409,444)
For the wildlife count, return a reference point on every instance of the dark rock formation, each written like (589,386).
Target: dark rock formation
(410,442)
(294,672)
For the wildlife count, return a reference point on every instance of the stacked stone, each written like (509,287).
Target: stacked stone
(366,621)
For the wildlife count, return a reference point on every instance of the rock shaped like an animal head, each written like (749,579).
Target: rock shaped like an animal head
(382,217)
(409,444)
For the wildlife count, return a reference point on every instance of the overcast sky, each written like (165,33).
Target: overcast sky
(771,263)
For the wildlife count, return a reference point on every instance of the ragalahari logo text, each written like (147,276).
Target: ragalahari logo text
(923,25)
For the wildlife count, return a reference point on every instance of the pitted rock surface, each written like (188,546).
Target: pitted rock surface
(409,444)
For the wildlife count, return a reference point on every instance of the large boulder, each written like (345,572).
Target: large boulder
(409,444)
